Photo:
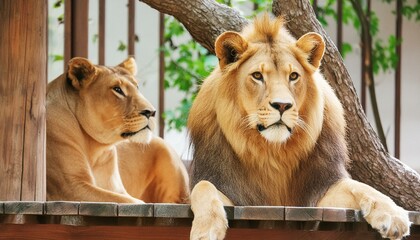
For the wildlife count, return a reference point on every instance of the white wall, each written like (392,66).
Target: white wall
(147,22)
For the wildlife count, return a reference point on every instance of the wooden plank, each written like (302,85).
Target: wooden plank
(303,214)
(172,210)
(414,217)
(52,231)
(23,67)
(135,210)
(102,209)
(61,208)
(24,207)
(339,215)
(258,213)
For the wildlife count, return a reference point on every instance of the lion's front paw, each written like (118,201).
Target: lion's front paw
(211,226)
(384,215)
(210,221)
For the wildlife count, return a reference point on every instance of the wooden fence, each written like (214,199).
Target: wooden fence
(87,220)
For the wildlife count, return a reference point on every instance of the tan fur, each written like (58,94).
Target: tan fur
(264,137)
(156,175)
(91,109)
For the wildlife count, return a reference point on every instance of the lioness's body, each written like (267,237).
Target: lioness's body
(267,129)
(158,175)
(91,109)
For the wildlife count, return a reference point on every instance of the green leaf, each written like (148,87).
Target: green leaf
(345,49)
(57,58)
(122,46)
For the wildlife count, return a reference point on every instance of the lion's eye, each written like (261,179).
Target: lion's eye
(119,91)
(293,76)
(257,76)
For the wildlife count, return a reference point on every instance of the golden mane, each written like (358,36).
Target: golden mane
(219,121)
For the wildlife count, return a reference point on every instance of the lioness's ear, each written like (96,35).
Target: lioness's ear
(229,47)
(79,70)
(313,45)
(130,65)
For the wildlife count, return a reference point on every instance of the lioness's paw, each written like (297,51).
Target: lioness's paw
(384,215)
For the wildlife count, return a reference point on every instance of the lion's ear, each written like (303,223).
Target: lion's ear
(79,70)
(229,47)
(130,65)
(313,45)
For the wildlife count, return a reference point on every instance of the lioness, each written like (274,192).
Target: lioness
(100,141)
(267,129)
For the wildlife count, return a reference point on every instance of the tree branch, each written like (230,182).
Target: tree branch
(204,19)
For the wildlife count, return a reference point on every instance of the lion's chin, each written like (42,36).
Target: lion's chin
(142,136)
(277,134)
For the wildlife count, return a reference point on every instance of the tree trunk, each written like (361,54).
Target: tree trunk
(23,71)
(205,20)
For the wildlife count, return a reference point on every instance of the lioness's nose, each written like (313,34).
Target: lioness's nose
(281,106)
(148,113)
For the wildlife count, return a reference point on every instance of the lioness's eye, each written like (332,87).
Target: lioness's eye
(257,76)
(119,91)
(293,76)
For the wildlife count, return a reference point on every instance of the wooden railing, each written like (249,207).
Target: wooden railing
(87,220)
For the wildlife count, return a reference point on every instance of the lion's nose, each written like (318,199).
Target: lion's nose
(148,113)
(281,106)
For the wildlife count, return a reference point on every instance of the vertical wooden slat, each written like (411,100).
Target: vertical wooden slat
(67,32)
(76,13)
(397,114)
(131,27)
(101,32)
(339,25)
(315,7)
(23,67)
(161,74)
(363,67)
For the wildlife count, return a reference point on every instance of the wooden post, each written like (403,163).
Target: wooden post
(23,71)
(397,114)
(131,27)
(101,33)
(161,75)
(340,26)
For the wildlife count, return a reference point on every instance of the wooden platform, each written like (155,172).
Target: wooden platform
(86,220)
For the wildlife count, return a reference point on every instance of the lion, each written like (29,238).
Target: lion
(100,142)
(267,129)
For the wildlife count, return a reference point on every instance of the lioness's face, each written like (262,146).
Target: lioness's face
(111,107)
(271,90)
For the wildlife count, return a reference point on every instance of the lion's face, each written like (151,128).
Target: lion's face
(271,93)
(110,107)
(271,79)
